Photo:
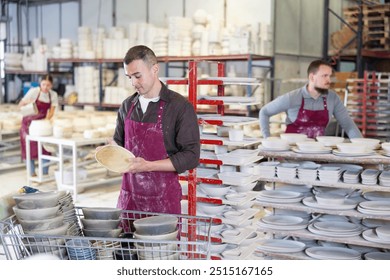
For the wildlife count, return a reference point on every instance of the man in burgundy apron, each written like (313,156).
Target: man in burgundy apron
(160,128)
(43,108)
(310,122)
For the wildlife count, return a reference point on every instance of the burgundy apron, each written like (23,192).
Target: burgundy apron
(310,122)
(42,107)
(157,191)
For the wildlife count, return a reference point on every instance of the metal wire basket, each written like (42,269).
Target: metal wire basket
(192,242)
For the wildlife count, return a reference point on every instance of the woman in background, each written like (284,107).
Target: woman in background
(46,101)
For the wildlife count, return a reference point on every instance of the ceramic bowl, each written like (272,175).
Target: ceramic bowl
(230,233)
(37,200)
(244,188)
(310,145)
(214,190)
(36,214)
(293,138)
(156,225)
(210,209)
(114,233)
(166,236)
(43,224)
(99,224)
(61,230)
(101,213)
(330,141)
(371,143)
(352,148)
(235,215)
(386,147)
(233,254)
(275,143)
(250,239)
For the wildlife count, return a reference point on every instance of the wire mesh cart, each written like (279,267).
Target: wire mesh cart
(192,241)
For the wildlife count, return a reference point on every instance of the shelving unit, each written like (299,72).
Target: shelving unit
(377,160)
(250,59)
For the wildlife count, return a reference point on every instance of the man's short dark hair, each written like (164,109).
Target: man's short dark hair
(140,52)
(315,65)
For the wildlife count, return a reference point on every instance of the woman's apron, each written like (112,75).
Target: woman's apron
(157,191)
(42,107)
(310,122)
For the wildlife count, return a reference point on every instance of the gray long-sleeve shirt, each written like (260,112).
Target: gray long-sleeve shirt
(291,102)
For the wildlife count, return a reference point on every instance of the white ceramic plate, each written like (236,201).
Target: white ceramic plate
(370,235)
(373,212)
(377,256)
(261,198)
(280,194)
(311,202)
(336,152)
(340,234)
(302,225)
(336,226)
(281,246)
(282,220)
(375,205)
(332,253)
(376,195)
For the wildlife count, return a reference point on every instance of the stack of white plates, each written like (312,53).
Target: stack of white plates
(351,176)
(332,253)
(372,236)
(335,229)
(384,179)
(280,246)
(281,222)
(308,172)
(377,195)
(67,208)
(377,256)
(370,176)
(374,223)
(303,189)
(374,207)
(329,174)
(266,169)
(279,196)
(287,171)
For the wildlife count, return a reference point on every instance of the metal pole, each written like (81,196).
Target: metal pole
(325,39)
(359,39)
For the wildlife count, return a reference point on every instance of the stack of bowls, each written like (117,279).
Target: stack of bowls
(159,234)
(370,143)
(39,214)
(101,222)
(330,141)
(293,138)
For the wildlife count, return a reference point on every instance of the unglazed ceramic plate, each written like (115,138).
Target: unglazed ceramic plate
(114,158)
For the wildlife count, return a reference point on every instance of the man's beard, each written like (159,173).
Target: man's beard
(321,90)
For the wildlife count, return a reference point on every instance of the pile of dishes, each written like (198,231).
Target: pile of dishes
(348,204)
(330,141)
(370,176)
(279,196)
(370,143)
(377,195)
(157,236)
(274,144)
(311,147)
(280,246)
(335,229)
(39,214)
(293,138)
(282,222)
(353,150)
(69,212)
(377,256)
(351,176)
(287,171)
(101,222)
(308,171)
(332,253)
(377,235)
(329,174)
(266,169)
(384,179)
(374,207)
